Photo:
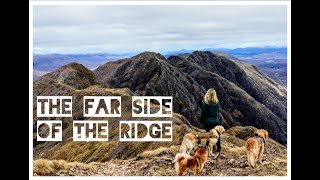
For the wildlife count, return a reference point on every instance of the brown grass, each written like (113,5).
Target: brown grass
(43,167)
(159,151)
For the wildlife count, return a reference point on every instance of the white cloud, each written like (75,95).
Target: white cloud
(82,29)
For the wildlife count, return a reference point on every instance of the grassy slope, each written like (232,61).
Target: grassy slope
(158,162)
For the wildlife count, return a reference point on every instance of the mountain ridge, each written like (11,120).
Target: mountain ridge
(149,74)
(146,74)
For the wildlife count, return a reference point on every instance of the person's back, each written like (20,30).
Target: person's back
(210,112)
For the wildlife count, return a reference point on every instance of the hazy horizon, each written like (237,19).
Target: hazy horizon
(162,52)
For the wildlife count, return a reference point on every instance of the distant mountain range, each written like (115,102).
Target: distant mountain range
(237,51)
(271,60)
(50,62)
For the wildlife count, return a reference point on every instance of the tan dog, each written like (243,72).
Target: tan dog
(255,147)
(191,140)
(217,131)
(184,162)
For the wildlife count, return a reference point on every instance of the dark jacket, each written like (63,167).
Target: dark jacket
(210,113)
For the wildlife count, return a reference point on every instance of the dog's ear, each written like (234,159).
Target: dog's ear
(221,129)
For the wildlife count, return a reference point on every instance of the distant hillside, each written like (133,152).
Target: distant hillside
(271,60)
(37,73)
(272,64)
(246,51)
(50,62)
(253,50)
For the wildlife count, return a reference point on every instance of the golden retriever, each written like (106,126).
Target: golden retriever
(255,147)
(191,140)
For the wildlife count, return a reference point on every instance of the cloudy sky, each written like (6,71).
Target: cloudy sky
(119,29)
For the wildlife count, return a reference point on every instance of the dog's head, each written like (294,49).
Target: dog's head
(263,134)
(220,129)
(201,150)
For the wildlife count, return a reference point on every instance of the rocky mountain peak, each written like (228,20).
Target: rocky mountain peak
(148,55)
(72,74)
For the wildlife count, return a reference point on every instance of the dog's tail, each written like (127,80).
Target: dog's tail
(250,158)
(181,160)
(250,145)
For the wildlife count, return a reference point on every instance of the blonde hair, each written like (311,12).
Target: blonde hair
(211,97)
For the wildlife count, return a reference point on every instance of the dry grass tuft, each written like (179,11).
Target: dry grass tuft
(159,151)
(42,167)
(60,165)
